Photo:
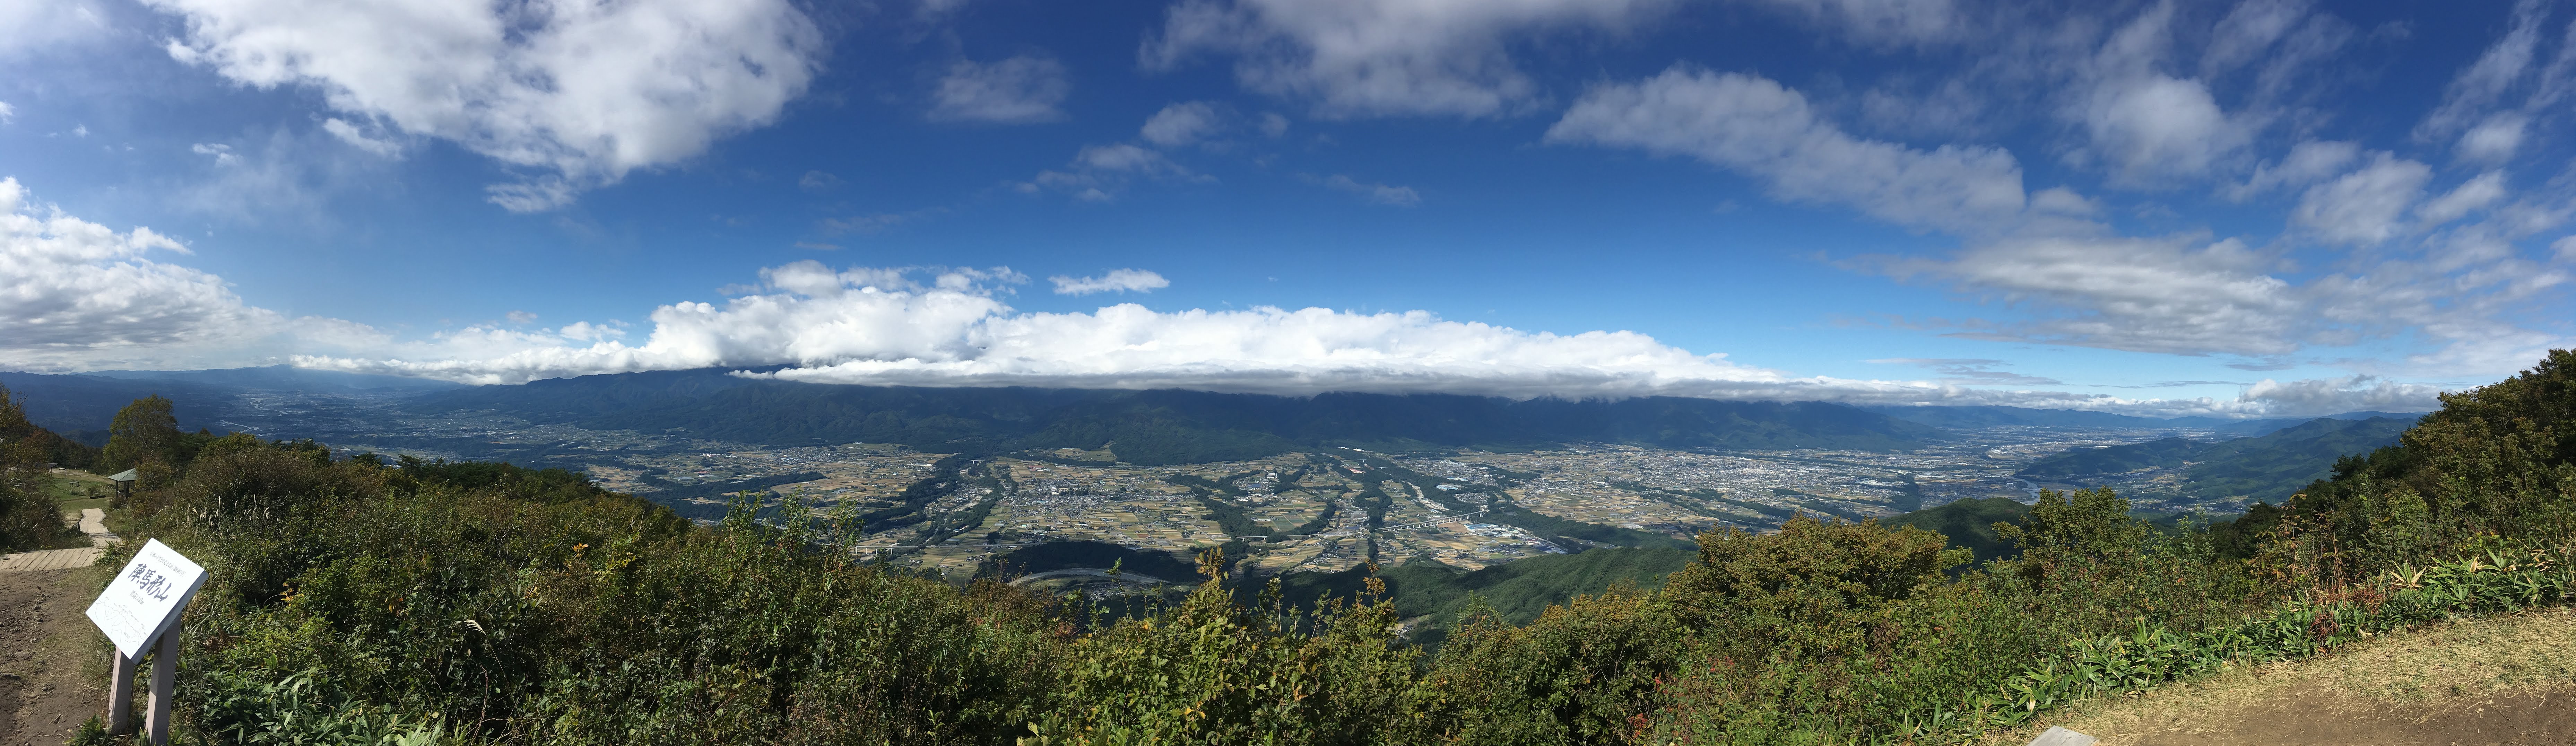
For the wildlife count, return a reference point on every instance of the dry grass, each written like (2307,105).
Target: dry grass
(2379,691)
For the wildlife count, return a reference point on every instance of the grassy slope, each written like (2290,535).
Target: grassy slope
(2409,688)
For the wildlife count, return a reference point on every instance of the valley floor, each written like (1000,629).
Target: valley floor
(2500,680)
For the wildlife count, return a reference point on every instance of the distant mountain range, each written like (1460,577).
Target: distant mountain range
(1145,427)
(1962,417)
(2269,468)
(1161,426)
(201,398)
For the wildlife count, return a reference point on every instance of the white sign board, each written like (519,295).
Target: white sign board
(146,597)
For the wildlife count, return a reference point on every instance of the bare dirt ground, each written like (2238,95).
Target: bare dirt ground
(51,660)
(2503,680)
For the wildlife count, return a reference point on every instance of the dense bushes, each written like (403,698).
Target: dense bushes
(485,603)
(28,518)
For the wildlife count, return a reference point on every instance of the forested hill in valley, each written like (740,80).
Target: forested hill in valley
(1160,426)
(2270,468)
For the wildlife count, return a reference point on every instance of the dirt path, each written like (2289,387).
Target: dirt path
(51,659)
(2508,680)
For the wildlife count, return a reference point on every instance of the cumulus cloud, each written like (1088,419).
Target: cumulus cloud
(2146,126)
(1181,124)
(2069,277)
(1116,281)
(1751,124)
(2494,140)
(2472,195)
(2150,128)
(2357,393)
(361,139)
(577,94)
(1358,58)
(2367,206)
(80,295)
(894,327)
(1018,90)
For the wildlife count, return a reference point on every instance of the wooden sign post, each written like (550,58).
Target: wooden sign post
(141,608)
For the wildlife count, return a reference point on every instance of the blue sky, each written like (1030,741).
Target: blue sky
(2247,208)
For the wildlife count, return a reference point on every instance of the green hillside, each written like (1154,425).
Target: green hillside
(2274,467)
(1970,524)
(1517,591)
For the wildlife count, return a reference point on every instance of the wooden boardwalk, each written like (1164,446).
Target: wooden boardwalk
(92,522)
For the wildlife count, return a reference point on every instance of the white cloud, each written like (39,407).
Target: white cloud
(2367,206)
(2482,85)
(1384,194)
(2494,140)
(360,139)
(1973,371)
(78,295)
(520,317)
(884,327)
(2153,128)
(1019,90)
(1354,58)
(29,26)
(1116,281)
(2470,196)
(2322,396)
(2309,162)
(2248,30)
(1181,124)
(2169,295)
(577,93)
(8,114)
(223,153)
(1099,172)
(1881,21)
(1752,124)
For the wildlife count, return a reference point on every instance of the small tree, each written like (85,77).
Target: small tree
(143,432)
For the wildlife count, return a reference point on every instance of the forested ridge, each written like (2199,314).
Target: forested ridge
(2269,468)
(354,603)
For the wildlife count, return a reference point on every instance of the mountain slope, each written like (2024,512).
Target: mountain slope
(2270,468)
(74,404)
(1970,524)
(1159,426)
